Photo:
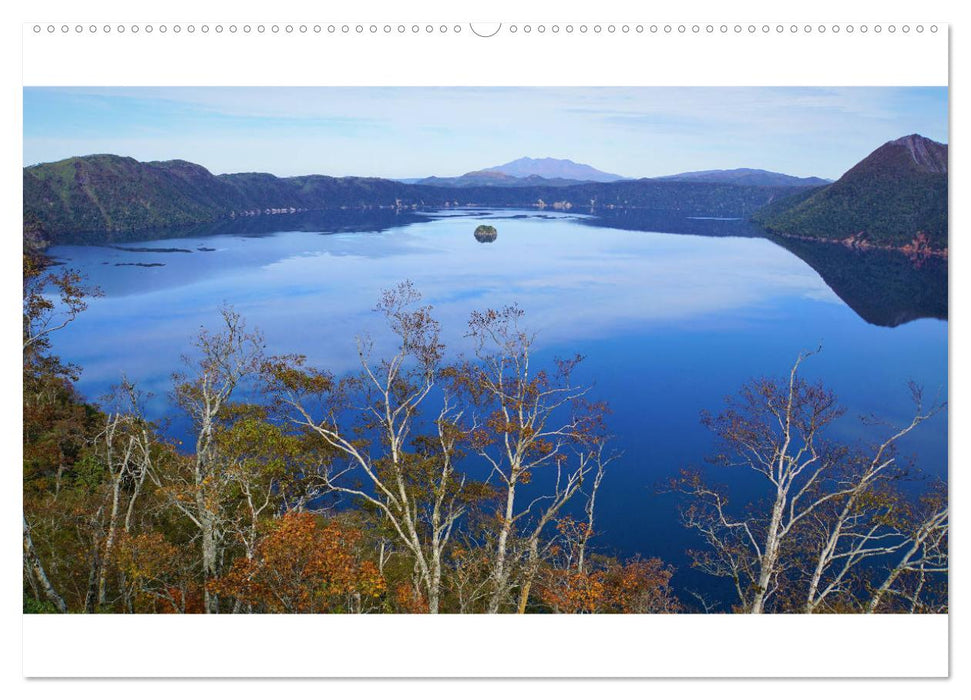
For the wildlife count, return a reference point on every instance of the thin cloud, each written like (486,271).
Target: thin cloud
(414,132)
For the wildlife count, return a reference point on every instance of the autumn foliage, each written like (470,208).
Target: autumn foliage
(573,584)
(305,565)
(157,574)
(639,586)
(465,487)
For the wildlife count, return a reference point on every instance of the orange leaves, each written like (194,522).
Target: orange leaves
(479,439)
(157,573)
(920,249)
(409,600)
(639,586)
(497,423)
(303,566)
(573,530)
(541,448)
(572,592)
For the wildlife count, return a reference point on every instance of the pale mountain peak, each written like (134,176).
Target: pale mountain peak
(554,168)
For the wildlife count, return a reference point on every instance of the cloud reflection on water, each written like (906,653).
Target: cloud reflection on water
(312,293)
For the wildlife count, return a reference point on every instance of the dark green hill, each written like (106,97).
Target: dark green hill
(110,195)
(886,199)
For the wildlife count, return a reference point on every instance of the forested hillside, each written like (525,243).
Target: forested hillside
(895,197)
(107,194)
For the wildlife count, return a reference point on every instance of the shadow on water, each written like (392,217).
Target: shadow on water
(672,222)
(884,287)
(322,221)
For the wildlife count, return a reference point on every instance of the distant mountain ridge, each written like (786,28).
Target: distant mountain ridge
(747,176)
(524,172)
(492,178)
(895,197)
(112,196)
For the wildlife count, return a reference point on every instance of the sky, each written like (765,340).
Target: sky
(405,132)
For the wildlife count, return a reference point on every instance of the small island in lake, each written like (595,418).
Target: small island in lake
(485,234)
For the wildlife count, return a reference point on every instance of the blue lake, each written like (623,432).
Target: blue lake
(670,322)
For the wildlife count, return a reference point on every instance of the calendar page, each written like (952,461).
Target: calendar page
(437,347)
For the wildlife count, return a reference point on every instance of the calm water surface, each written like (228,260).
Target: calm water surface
(670,324)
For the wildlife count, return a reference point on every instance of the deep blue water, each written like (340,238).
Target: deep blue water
(670,323)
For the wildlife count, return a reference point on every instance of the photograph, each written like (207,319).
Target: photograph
(672,350)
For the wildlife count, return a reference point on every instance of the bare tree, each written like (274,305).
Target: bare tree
(271,470)
(125,448)
(222,361)
(869,520)
(371,420)
(588,462)
(43,316)
(921,557)
(528,420)
(828,510)
(37,573)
